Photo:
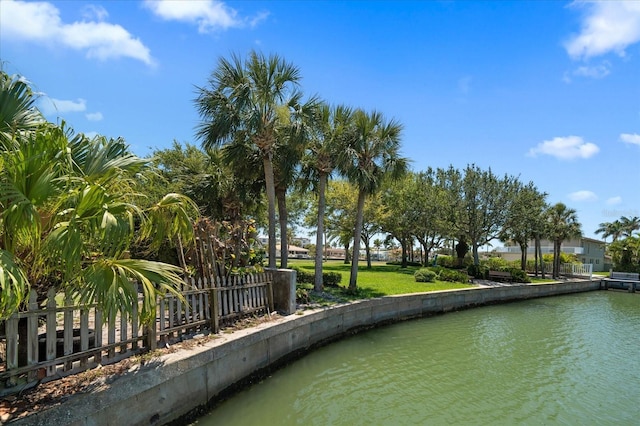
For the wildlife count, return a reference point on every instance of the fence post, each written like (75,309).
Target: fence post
(51,339)
(151,340)
(213,305)
(32,335)
(11,329)
(151,332)
(283,298)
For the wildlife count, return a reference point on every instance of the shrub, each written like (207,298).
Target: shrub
(519,275)
(304,277)
(496,264)
(330,279)
(445,261)
(478,271)
(453,276)
(425,275)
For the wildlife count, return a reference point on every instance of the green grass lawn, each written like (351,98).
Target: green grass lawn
(380,280)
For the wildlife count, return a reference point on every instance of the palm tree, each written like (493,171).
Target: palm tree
(248,101)
(322,152)
(628,225)
(288,155)
(371,155)
(18,112)
(562,223)
(610,229)
(69,211)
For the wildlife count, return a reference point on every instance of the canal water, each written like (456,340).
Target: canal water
(569,360)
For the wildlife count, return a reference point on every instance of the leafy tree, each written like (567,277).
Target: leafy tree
(341,213)
(486,201)
(372,153)
(429,202)
(251,101)
(523,219)
(210,179)
(400,215)
(561,224)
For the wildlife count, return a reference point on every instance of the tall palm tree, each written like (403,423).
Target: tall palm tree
(319,164)
(610,229)
(629,225)
(562,224)
(371,155)
(248,100)
(296,133)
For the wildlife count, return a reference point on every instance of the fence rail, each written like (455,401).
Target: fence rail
(58,339)
(577,269)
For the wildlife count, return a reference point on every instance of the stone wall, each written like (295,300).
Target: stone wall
(181,382)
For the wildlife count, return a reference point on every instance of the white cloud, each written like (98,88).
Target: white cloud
(597,71)
(50,106)
(583,196)
(208,15)
(92,11)
(614,200)
(565,148)
(607,26)
(94,116)
(40,22)
(633,139)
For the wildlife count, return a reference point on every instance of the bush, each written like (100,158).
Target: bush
(479,271)
(445,261)
(330,279)
(496,264)
(425,275)
(453,276)
(519,275)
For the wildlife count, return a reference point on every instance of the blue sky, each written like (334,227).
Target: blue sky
(545,90)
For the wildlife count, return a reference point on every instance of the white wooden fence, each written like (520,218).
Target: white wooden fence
(45,342)
(577,270)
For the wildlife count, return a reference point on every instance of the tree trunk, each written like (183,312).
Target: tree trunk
(535,255)
(283,218)
(523,257)
(403,245)
(346,254)
(322,183)
(271,202)
(357,232)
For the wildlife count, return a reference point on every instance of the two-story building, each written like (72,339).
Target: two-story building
(587,250)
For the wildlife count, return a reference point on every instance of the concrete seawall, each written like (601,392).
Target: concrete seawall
(163,391)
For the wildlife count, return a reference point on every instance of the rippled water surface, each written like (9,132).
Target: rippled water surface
(571,360)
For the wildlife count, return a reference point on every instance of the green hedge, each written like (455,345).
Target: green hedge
(329,279)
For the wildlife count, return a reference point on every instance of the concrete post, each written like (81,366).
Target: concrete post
(284,290)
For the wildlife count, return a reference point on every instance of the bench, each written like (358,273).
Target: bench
(622,280)
(500,276)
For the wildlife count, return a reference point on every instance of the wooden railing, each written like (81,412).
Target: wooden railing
(577,269)
(59,339)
